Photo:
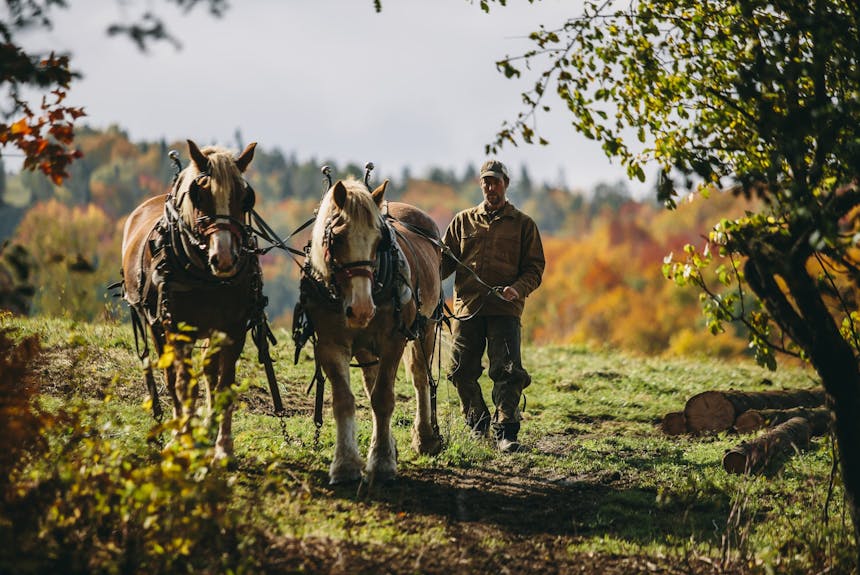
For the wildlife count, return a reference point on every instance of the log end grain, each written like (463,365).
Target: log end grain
(749,421)
(735,461)
(709,411)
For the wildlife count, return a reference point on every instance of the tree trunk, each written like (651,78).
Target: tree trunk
(755,455)
(674,423)
(846,408)
(808,322)
(819,419)
(717,410)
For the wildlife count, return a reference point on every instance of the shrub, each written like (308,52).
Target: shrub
(75,501)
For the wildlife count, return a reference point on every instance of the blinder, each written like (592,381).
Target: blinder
(250,198)
(207,225)
(202,181)
(379,271)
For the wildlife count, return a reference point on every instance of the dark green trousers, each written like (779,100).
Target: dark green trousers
(501,337)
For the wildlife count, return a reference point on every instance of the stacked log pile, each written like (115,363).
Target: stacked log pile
(790,417)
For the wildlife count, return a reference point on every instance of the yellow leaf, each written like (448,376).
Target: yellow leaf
(20,127)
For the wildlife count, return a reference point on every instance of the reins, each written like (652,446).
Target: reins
(303,331)
(446,251)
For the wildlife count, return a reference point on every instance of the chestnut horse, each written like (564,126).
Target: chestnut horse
(371,288)
(190,272)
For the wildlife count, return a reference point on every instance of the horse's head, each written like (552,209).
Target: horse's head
(344,240)
(213,197)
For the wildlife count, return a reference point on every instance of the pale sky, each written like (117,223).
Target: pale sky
(414,86)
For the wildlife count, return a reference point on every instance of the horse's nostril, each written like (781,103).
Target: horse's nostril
(349,312)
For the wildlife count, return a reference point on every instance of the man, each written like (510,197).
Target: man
(497,246)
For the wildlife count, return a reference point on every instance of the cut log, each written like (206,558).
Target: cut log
(717,410)
(819,419)
(674,423)
(754,456)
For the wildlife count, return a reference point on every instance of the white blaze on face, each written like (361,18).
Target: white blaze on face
(358,294)
(223,254)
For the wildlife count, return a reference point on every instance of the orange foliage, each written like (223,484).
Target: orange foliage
(605,287)
(77,254)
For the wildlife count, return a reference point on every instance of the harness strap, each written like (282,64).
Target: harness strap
(351,270)
(262,335)
(139,334)
(267,233)
(318,380)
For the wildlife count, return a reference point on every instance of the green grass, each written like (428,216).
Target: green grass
(598,476)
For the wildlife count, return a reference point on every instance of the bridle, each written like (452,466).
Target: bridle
(343,272)
(194,239)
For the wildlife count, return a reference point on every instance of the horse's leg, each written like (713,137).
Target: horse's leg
(149,377)
(347,463)
(382,455)
(211,369)
(418,362)
(169,373)
(184,395)
(149,380)
(369,370)
(228,356)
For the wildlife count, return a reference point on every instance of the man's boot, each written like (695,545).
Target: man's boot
(478,422)
(506,437)
(474,407)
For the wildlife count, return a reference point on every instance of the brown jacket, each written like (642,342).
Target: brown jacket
(503,250)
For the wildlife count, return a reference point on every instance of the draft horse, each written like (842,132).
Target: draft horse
(190,272)
(370,289)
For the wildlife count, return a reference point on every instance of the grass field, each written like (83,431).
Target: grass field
(598,489)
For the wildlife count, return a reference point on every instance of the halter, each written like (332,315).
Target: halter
(190,243)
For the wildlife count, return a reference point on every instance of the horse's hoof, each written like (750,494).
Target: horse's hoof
(426,445)
(347,471)
(380,469)
(344,478)
(379,477)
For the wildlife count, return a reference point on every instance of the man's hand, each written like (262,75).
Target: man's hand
(510,294)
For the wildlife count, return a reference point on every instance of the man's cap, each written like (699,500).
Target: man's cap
(494,169)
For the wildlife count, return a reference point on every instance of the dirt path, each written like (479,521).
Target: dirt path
(498,521)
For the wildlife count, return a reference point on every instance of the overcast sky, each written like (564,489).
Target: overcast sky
(412,86)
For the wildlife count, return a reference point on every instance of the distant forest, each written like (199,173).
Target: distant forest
(603,285)
(117,174)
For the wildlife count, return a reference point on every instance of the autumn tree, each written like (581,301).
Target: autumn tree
(43,132)
(759,97)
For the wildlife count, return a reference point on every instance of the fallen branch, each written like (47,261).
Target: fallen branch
(717,410)
(756,455)
(819,419)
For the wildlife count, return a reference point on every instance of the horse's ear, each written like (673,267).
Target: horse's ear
(379,192)
(197,157)
(245,157)
(339,194)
